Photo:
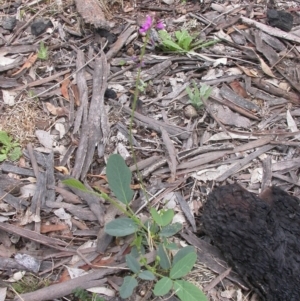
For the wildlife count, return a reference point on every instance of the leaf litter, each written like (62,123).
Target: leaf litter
(69,110)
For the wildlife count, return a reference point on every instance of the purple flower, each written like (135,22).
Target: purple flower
(160,25)
(147,25)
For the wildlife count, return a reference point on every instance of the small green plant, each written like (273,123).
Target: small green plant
(8,148)
(141,85)
(155,233)
(43,51)
(197,96)
(83,295)
(182,42)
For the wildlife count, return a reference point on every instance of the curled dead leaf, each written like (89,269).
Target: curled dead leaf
(62,169)
(29,62)
(56,110)
(64,86)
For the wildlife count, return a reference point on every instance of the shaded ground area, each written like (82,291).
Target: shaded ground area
(68,74)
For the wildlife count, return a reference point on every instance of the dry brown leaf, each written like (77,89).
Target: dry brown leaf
(62,169)
(76,94)
(64,87)
(266,69)
(237,88)
(240,27)
(53,228)
(249,72)
(56,110)
(29,62)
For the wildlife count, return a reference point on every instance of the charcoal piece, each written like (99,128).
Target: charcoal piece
(9,23)
(40,26)
(259,237)
(280,19)
(110,93)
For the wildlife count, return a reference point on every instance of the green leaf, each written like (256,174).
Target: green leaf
(4,138)
(146,275)
(132,263)
(182,253)
(170,230)
(15,154)
(162,218)
(3,157)
(163,286)
(205,91)
(119,178)
(121,227)
(172,46)
(187,291)
(183,266)
(164,262)
(128,286)
(43,51)
(71,182)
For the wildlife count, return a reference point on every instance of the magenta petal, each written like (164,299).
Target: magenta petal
(147,25)
(160,25)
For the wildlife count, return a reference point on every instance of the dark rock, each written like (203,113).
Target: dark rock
(40,26)
(259,237)
(9,23)
(280,19)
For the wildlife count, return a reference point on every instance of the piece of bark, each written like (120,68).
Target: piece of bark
(230,95)
(122,39)
(271,31)
(171,153)
(259,237)
(15,202)
(151,123)
(37,237)
(76,210)
(241,163)
(9,167)
(81,114)
(92,13)
(98,128)
(267,173)
(186,210)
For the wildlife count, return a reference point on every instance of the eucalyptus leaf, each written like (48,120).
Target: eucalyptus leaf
(132,263)
(122,226)
(128,286)
(187,291)
(170,230)
(119,178)
(163,286)
(183,266)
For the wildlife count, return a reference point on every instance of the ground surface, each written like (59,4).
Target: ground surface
(68,105)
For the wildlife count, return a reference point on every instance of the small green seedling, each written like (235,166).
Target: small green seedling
(197,96)
(182,42)
(141,85)
(8,148)
(154,234)
(43,51)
